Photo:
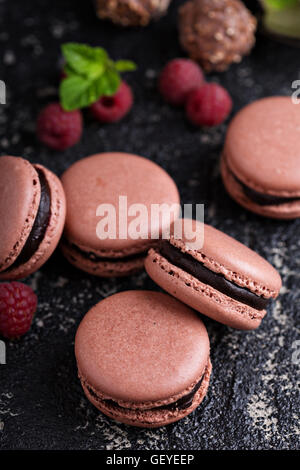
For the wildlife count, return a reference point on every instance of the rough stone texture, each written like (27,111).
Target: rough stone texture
(253,402)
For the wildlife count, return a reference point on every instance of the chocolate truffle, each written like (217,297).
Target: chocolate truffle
(131,12)
(216,32)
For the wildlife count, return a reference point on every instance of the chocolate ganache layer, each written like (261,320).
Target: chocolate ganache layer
(40,224)
(194,267)
(181,404)
(264,199)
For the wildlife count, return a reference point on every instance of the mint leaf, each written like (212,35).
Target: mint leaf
(90,75)
(83,59)
(125,65)
(280,4)
(68,71)
(110,82)
(77,92)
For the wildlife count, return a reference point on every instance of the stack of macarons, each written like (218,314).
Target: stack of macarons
(159,368)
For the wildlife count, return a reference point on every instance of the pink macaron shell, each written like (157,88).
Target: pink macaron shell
(202,297)
(112,268)
(20,193)
(152,418)
(262,146)
(53,232)
(102,178)
(225,255)
(139,347)
(289,210)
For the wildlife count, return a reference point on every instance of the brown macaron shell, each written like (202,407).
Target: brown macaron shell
(160,352)
(103,268)
(20,193)
(101,179)
(262,152)
(222,255)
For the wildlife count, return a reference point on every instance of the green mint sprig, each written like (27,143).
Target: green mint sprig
(90,74)
(280,4)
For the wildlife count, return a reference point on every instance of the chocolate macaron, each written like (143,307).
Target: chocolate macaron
(143,358)
(114,187)
(32,216)
(217,275)
(260,164)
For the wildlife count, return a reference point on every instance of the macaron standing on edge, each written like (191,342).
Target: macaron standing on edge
(158,369)
(102,179)
(32,216)
(222,278)
(260,164)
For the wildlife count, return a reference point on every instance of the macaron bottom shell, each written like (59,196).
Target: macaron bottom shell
(105,268)
(202,297)
(154,417)
(284,211)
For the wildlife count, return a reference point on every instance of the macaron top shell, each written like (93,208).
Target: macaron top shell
(140,346)
(20,190)
(101,179)
(262,146)
(223,254)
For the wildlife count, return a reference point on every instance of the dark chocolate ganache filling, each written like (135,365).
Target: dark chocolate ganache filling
(215,280)
(98,259)
(264,199)
(40,224)
(180,404)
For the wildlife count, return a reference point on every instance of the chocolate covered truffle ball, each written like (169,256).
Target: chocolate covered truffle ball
(216,32)
(131,12)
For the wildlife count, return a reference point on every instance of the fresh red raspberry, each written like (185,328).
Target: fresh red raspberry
(113,108)
(18,304)
(57,128)
(209,105)
(178,78)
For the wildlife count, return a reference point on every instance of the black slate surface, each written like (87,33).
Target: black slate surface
(253,400)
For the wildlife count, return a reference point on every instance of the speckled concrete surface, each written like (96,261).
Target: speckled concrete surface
(253,401)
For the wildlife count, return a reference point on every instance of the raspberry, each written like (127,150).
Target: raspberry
(57,128)
(18,304)
(113,108)
(178,78)
(209,105)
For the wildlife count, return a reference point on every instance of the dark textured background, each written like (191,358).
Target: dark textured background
(253,400)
